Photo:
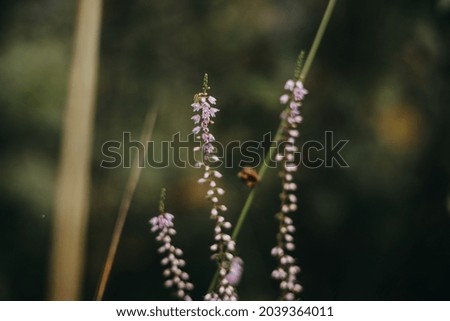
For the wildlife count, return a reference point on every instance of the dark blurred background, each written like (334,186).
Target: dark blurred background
(378,230)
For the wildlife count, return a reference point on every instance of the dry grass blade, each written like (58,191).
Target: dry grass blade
(73,177)
(132,182)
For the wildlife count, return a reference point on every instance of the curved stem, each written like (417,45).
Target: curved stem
(130,187)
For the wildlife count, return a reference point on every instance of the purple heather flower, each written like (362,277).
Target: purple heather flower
(196,119)
(205,113)
(289,85)
(212,100)
(287,270)
(223,247)
(176,277)
(234,276)
(161,222)
(299,91)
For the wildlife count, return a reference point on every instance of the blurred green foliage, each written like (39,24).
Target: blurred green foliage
(378,230)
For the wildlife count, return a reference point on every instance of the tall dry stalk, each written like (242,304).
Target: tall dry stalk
(133,179)
(73,178)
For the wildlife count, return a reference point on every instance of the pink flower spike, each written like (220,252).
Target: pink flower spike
(286,271)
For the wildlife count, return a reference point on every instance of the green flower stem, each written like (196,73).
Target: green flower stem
(317,39)
(262,171)
(162,199)
(304,73)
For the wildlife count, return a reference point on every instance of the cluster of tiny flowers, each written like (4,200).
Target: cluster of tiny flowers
(223,247)
(176,278)
(287,270)
(228,282)
(206,112)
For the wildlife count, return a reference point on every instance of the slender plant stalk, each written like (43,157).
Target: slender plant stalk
(303,75)
(317,39)
(132,182)
(262,170)
(71,204)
